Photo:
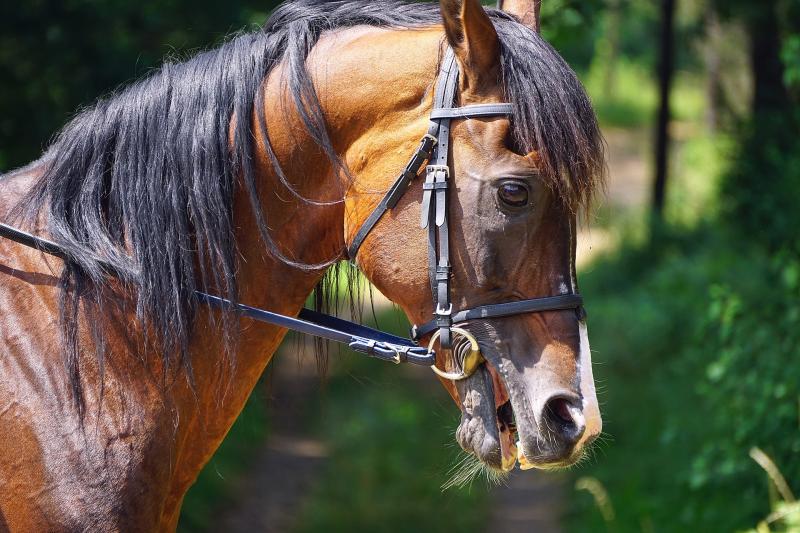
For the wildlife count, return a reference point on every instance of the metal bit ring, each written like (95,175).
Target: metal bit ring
(471,362)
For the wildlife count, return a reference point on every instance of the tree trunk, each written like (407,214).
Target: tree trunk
(765,48)
(711,54)
(665,71)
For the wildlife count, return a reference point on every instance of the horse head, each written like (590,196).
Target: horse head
(512,217)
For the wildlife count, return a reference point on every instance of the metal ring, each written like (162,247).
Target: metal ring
(471,361)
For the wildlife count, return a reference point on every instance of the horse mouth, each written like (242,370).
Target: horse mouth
(507,430)
(488,428)
(511,451)
(506,424)
(492,434)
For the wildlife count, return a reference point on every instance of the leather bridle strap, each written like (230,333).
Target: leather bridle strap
(424,151)
(434,202)
(398,188)
(358,337)
(534,305)
(473,111)
(434,213)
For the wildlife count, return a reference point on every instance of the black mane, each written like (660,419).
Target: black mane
(145,177)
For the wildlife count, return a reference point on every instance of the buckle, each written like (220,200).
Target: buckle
(430,137)
(432,169)
(443,312)
(396,359)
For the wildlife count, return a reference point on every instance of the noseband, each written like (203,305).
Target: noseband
(433,150)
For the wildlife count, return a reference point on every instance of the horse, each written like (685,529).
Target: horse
(245,171)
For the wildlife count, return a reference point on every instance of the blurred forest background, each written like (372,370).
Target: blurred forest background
(690,267)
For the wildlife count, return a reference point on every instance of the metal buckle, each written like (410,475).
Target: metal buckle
(431,169)
(443,312)
(396,359)
(471,361)
(431,137)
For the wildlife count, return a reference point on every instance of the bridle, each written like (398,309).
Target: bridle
(433,150)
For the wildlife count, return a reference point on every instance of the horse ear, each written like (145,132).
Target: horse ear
(527,11)
(474,40)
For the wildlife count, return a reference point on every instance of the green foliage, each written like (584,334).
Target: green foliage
(391,444)
(784,519)
(58,56)
(761,190)
(790,55)
(571,27)
(212,490)
(624,94)
(696,343)
(751,381)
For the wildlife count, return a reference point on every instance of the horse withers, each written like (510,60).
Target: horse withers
(247,171)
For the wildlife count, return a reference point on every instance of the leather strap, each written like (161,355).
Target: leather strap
(420,157)
(533,305)
(473,111)
(426,147)
(437,184)
(359,338)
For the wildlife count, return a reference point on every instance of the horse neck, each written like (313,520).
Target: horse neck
(375,113)
(372,129)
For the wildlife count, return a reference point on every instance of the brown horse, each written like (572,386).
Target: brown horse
(246,171)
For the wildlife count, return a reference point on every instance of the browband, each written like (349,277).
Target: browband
(473,111)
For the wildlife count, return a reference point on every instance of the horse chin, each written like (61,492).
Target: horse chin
(486,429)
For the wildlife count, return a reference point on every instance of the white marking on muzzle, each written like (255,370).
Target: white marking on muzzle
(591,409)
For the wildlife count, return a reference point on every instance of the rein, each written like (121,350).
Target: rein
(433,150)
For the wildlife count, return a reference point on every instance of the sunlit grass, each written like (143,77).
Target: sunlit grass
(625,94)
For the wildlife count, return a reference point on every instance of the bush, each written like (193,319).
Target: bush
(696,348)
(761,191)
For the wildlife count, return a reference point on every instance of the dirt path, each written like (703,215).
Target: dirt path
(531,502)
(269,498)
(628,190)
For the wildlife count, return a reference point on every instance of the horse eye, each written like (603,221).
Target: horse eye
(513,194)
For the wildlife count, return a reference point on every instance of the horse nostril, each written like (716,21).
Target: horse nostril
(565,417)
